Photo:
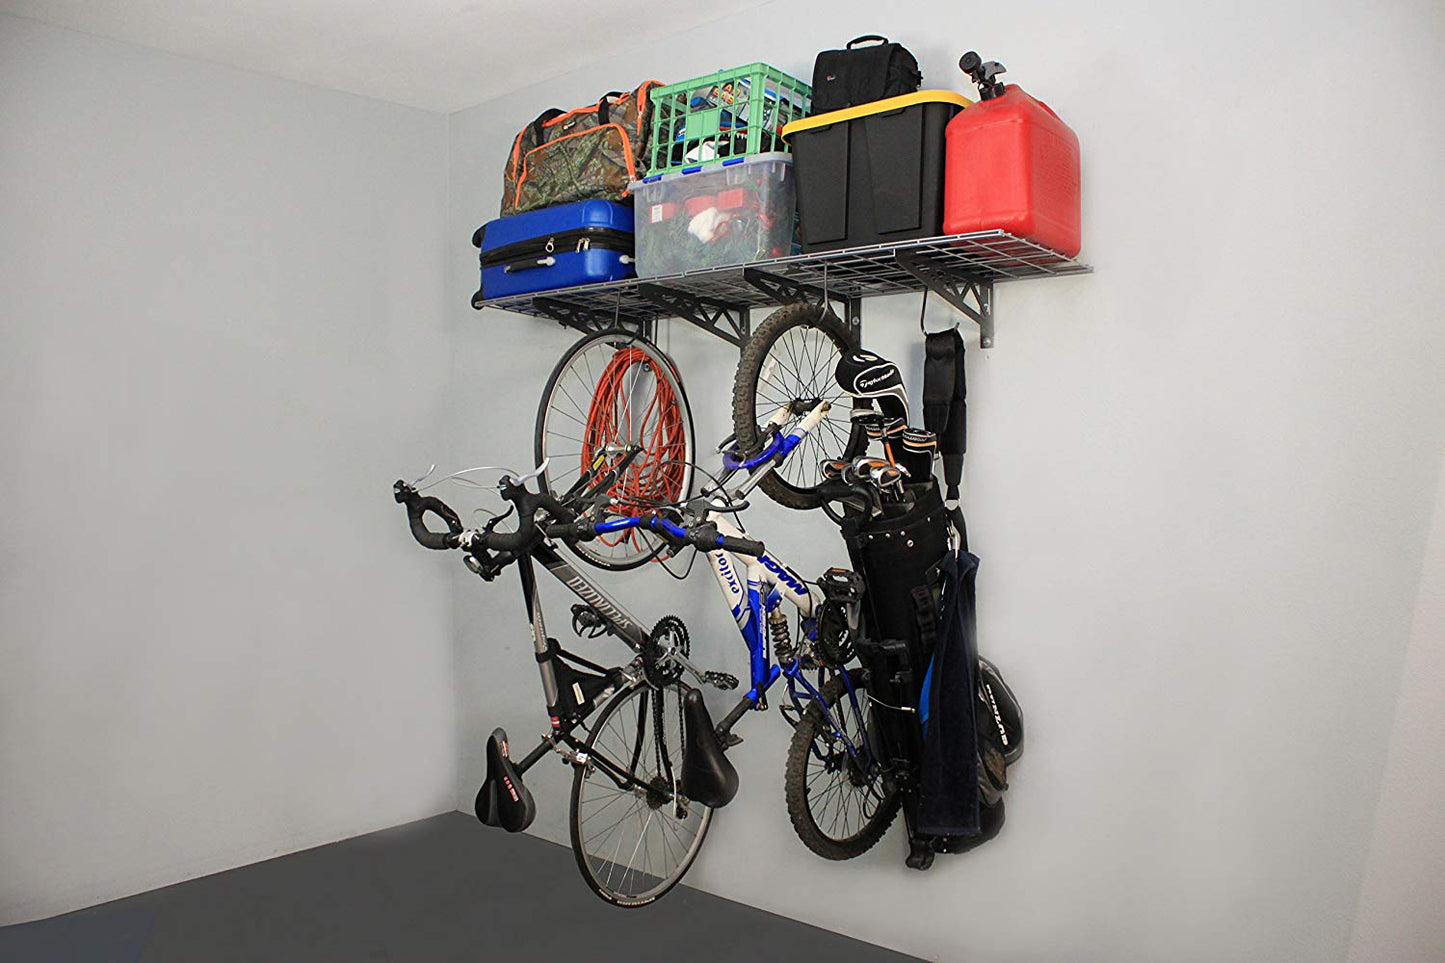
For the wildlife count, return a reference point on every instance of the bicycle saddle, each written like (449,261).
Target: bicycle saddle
(707,775)
(503,800)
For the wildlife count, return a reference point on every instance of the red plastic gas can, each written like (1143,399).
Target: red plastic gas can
(1013,166)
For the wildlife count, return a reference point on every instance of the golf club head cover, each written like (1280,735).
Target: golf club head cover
(864,374)
(918,449)
(503,800)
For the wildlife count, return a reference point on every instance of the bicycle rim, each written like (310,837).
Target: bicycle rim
(843,796)
(790,361)
(612,390)
(632,845)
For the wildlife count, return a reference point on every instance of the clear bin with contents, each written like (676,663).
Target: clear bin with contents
(732,212)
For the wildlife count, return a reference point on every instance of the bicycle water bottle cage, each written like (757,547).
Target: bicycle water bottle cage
(865,375)
(588,623)
(503,801)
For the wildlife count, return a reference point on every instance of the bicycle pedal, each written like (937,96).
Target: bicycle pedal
(720,680)
(731,739)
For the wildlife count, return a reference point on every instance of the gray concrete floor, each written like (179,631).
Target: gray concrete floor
(442,889)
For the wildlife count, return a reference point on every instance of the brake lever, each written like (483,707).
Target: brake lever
(492,522)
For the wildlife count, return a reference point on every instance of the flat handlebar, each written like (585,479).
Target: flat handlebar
(562,523)
(703,535)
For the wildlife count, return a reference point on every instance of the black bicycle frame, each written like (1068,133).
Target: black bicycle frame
(623,625)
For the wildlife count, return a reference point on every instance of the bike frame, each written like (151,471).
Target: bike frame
(753,591)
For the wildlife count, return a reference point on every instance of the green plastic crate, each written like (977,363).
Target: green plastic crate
(732,113)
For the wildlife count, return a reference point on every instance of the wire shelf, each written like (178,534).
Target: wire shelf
(984,257)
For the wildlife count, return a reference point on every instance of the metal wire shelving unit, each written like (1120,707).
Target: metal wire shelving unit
(960,268)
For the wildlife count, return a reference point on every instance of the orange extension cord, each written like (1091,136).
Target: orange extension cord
(657,473)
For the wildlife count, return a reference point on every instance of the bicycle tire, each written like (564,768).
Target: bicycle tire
(797,779)
(794,483)
(555,479)
(592,869)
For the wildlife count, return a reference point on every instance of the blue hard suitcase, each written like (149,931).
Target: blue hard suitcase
(556,247)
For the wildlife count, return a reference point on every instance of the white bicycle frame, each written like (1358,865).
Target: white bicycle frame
(754,588)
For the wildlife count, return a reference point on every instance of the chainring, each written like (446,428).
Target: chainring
(668,638)
(834,645)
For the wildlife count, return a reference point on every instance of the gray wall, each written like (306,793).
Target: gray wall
(220,341)
(1201,482)
(1399,915)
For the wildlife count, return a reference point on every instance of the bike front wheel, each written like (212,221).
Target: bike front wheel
(789,362)
(612,390)
(633,832)
(838,799)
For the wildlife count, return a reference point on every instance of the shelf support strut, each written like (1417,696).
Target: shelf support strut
(591,320)
(971,295)
(727,321)
(786,290)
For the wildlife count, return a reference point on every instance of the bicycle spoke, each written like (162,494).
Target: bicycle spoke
(634,843)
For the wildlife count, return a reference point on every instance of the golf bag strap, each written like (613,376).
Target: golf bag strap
(945,412)
(925,610)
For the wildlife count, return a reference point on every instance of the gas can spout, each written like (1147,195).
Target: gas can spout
(983,73)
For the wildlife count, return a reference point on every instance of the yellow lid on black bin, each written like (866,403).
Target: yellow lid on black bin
(875,107)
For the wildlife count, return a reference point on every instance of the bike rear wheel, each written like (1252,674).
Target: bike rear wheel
(839,801)
(610,390)
(635,841)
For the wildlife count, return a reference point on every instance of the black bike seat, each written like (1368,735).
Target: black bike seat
(503,800)
(707,775)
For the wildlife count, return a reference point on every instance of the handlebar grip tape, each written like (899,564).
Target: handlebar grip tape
(417,508)
(740,546)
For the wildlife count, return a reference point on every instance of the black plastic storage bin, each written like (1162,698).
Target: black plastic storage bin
(872,173)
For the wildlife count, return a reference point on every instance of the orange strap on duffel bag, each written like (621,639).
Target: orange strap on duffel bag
(577,155)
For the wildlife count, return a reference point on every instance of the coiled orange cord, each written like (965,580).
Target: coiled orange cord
(657,473)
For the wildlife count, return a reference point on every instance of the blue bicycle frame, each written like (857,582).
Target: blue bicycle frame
(755,589)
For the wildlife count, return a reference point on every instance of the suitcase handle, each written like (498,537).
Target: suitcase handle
(870,36)
(540,262)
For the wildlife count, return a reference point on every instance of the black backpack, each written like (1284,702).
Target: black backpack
(848,77)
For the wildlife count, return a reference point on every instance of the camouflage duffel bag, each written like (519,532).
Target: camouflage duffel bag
(589,152)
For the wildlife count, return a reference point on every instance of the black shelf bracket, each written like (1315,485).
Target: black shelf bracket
(969,293)
(590,320)
(786,290)
(727,321)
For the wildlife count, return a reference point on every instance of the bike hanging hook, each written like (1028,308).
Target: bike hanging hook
(923,312)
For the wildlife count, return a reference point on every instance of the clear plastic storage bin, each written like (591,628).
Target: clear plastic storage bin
(731,212)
